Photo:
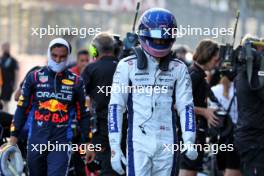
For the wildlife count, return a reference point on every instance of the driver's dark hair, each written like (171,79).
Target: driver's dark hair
(205,51)
(58,45)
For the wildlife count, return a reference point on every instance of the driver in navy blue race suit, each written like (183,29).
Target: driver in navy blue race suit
(51,97)
(157,86)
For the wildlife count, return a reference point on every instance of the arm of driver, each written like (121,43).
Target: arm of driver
(184,104)
(117,107)
(118,103)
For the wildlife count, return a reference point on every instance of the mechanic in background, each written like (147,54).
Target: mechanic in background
(97,77)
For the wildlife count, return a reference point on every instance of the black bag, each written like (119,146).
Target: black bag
(224,130)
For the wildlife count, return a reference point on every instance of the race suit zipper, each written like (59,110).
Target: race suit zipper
(141,126)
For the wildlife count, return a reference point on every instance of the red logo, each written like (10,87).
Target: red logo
(55,117)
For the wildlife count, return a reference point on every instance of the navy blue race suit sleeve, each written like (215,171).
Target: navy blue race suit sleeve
(23,106)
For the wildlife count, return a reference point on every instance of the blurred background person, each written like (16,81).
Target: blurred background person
(228,161)
(183,53)
(9,68)
(180,53)
(82,61)
(5,122)
(206,58)
(98,76)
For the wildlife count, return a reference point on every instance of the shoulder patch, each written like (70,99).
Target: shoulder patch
(39,75)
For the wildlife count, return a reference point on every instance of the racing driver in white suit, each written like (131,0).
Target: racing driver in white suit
(157,83)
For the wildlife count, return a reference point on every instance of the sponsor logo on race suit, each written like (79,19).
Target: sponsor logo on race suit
(54,108)
(54,117)
(53,105)
(67,82)
(113,119)
(190,124)
(59,96)
(43,79)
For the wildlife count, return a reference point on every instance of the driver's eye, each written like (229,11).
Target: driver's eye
(64,57)
(157,41)
(160,42)
(58,56)
(84,60)
(54,55)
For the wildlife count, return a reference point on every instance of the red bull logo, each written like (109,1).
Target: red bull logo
(55,118)
(53,105)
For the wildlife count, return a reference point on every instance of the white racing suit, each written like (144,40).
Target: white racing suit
(151,114)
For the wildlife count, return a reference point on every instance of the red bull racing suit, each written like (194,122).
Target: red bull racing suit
(51,101)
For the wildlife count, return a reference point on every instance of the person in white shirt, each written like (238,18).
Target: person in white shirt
(227,161)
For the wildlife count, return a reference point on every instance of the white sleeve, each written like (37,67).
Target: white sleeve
(184,104)
(118,103)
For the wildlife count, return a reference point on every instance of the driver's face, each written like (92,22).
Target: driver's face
(59,54)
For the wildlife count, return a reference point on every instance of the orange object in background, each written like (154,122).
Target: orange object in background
(1,78)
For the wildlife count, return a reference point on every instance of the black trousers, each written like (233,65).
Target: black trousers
(101,137)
